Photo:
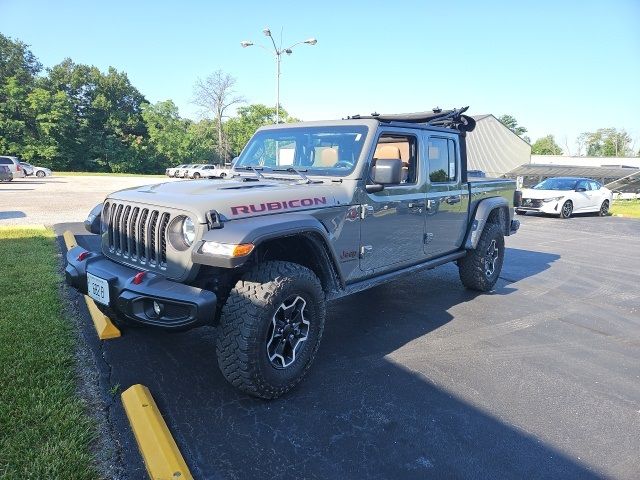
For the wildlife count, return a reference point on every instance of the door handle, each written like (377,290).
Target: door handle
(453,199)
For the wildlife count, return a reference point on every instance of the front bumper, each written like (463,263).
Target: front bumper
(183,306)
(552,208)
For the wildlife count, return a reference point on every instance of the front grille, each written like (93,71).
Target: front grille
(137,234)
(531,202)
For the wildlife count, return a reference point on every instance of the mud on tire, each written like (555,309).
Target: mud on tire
(474,270)
(247,322)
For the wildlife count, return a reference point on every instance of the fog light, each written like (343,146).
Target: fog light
(157,308)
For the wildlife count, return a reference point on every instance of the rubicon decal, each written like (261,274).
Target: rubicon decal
(274,206)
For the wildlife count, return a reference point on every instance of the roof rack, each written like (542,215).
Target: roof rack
(437,117)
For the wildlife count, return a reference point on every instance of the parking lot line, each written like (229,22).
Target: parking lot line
(103,324)
(161,455)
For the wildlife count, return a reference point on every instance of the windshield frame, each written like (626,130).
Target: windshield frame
(296,133)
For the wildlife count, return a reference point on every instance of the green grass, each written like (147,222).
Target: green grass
(626,208)
(44,430)
(104,174)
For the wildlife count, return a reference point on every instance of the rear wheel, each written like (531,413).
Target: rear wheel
(567,209)
(196,175)
(223,175)
(480,269)
(270,328)
(604,209)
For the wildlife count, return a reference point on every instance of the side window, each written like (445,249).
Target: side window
(583,184)
(5,161)
(594,185)
(400,147)
(442,160)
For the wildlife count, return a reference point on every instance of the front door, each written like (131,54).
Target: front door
(392,231)
(447,197)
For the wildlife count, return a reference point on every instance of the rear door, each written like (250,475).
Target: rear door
(447,196)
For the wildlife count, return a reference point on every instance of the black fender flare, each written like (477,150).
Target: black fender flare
(480,217)
(257,230)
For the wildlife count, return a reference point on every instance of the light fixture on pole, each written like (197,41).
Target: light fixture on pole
(278,54)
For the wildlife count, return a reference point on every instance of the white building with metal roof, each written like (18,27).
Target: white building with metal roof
(495,149)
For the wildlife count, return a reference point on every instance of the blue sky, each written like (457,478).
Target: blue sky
(560,67)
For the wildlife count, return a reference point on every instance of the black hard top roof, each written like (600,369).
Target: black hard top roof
(437,118)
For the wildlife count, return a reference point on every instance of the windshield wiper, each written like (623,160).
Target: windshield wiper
(253,169)
(304,178)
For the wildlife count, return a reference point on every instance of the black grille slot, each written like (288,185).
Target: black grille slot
(142,230)
(164,222)
(133,227)
(153,223)
(124,230)
(116,228)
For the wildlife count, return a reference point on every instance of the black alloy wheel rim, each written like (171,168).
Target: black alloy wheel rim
(567,209)
(491,258)
(288,331)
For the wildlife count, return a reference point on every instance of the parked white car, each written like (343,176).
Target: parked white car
(171,172)
(209,171)
(564,196)
(181,172)
(35,170)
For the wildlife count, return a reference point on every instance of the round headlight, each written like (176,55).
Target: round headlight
(188,231)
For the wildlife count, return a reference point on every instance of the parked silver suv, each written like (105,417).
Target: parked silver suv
(14,166)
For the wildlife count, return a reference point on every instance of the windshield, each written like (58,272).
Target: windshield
(557,184)
(321,150)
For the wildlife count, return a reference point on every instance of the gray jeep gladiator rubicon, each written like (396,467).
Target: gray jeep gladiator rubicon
(313,211)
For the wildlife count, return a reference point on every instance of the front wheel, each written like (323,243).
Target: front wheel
(567,209)
(604,209)
(196,175)
(223,175)
(270,328)
(40,174)
(481,267)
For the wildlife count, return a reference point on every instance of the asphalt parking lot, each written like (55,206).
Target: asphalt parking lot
(57,199)
(421,378)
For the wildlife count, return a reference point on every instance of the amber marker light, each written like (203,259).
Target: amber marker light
(227,249)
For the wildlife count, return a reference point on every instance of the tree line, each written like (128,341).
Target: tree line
(74,117)
(604,142)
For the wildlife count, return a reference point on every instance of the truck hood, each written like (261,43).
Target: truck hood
(541,194)
(236,198)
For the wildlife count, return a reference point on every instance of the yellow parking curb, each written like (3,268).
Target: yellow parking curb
(104,326)
(158,448)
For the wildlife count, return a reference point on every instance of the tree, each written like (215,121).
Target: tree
(239,129)
(546,146)
(608,142)
(512,124)
(216,94)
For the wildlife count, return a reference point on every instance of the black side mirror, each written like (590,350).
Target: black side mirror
(581,189)
(387,171)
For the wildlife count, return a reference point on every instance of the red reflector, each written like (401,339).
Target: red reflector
(83,255)
(137,280)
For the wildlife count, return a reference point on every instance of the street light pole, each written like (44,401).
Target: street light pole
(278,54)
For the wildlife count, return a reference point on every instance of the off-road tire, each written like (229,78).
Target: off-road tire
(472,267)
(604,209)
(566,210)
(241,344)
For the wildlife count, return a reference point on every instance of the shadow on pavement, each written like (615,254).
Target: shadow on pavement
(358,414)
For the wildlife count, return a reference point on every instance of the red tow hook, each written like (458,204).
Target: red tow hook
(137,279)
(83,255)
